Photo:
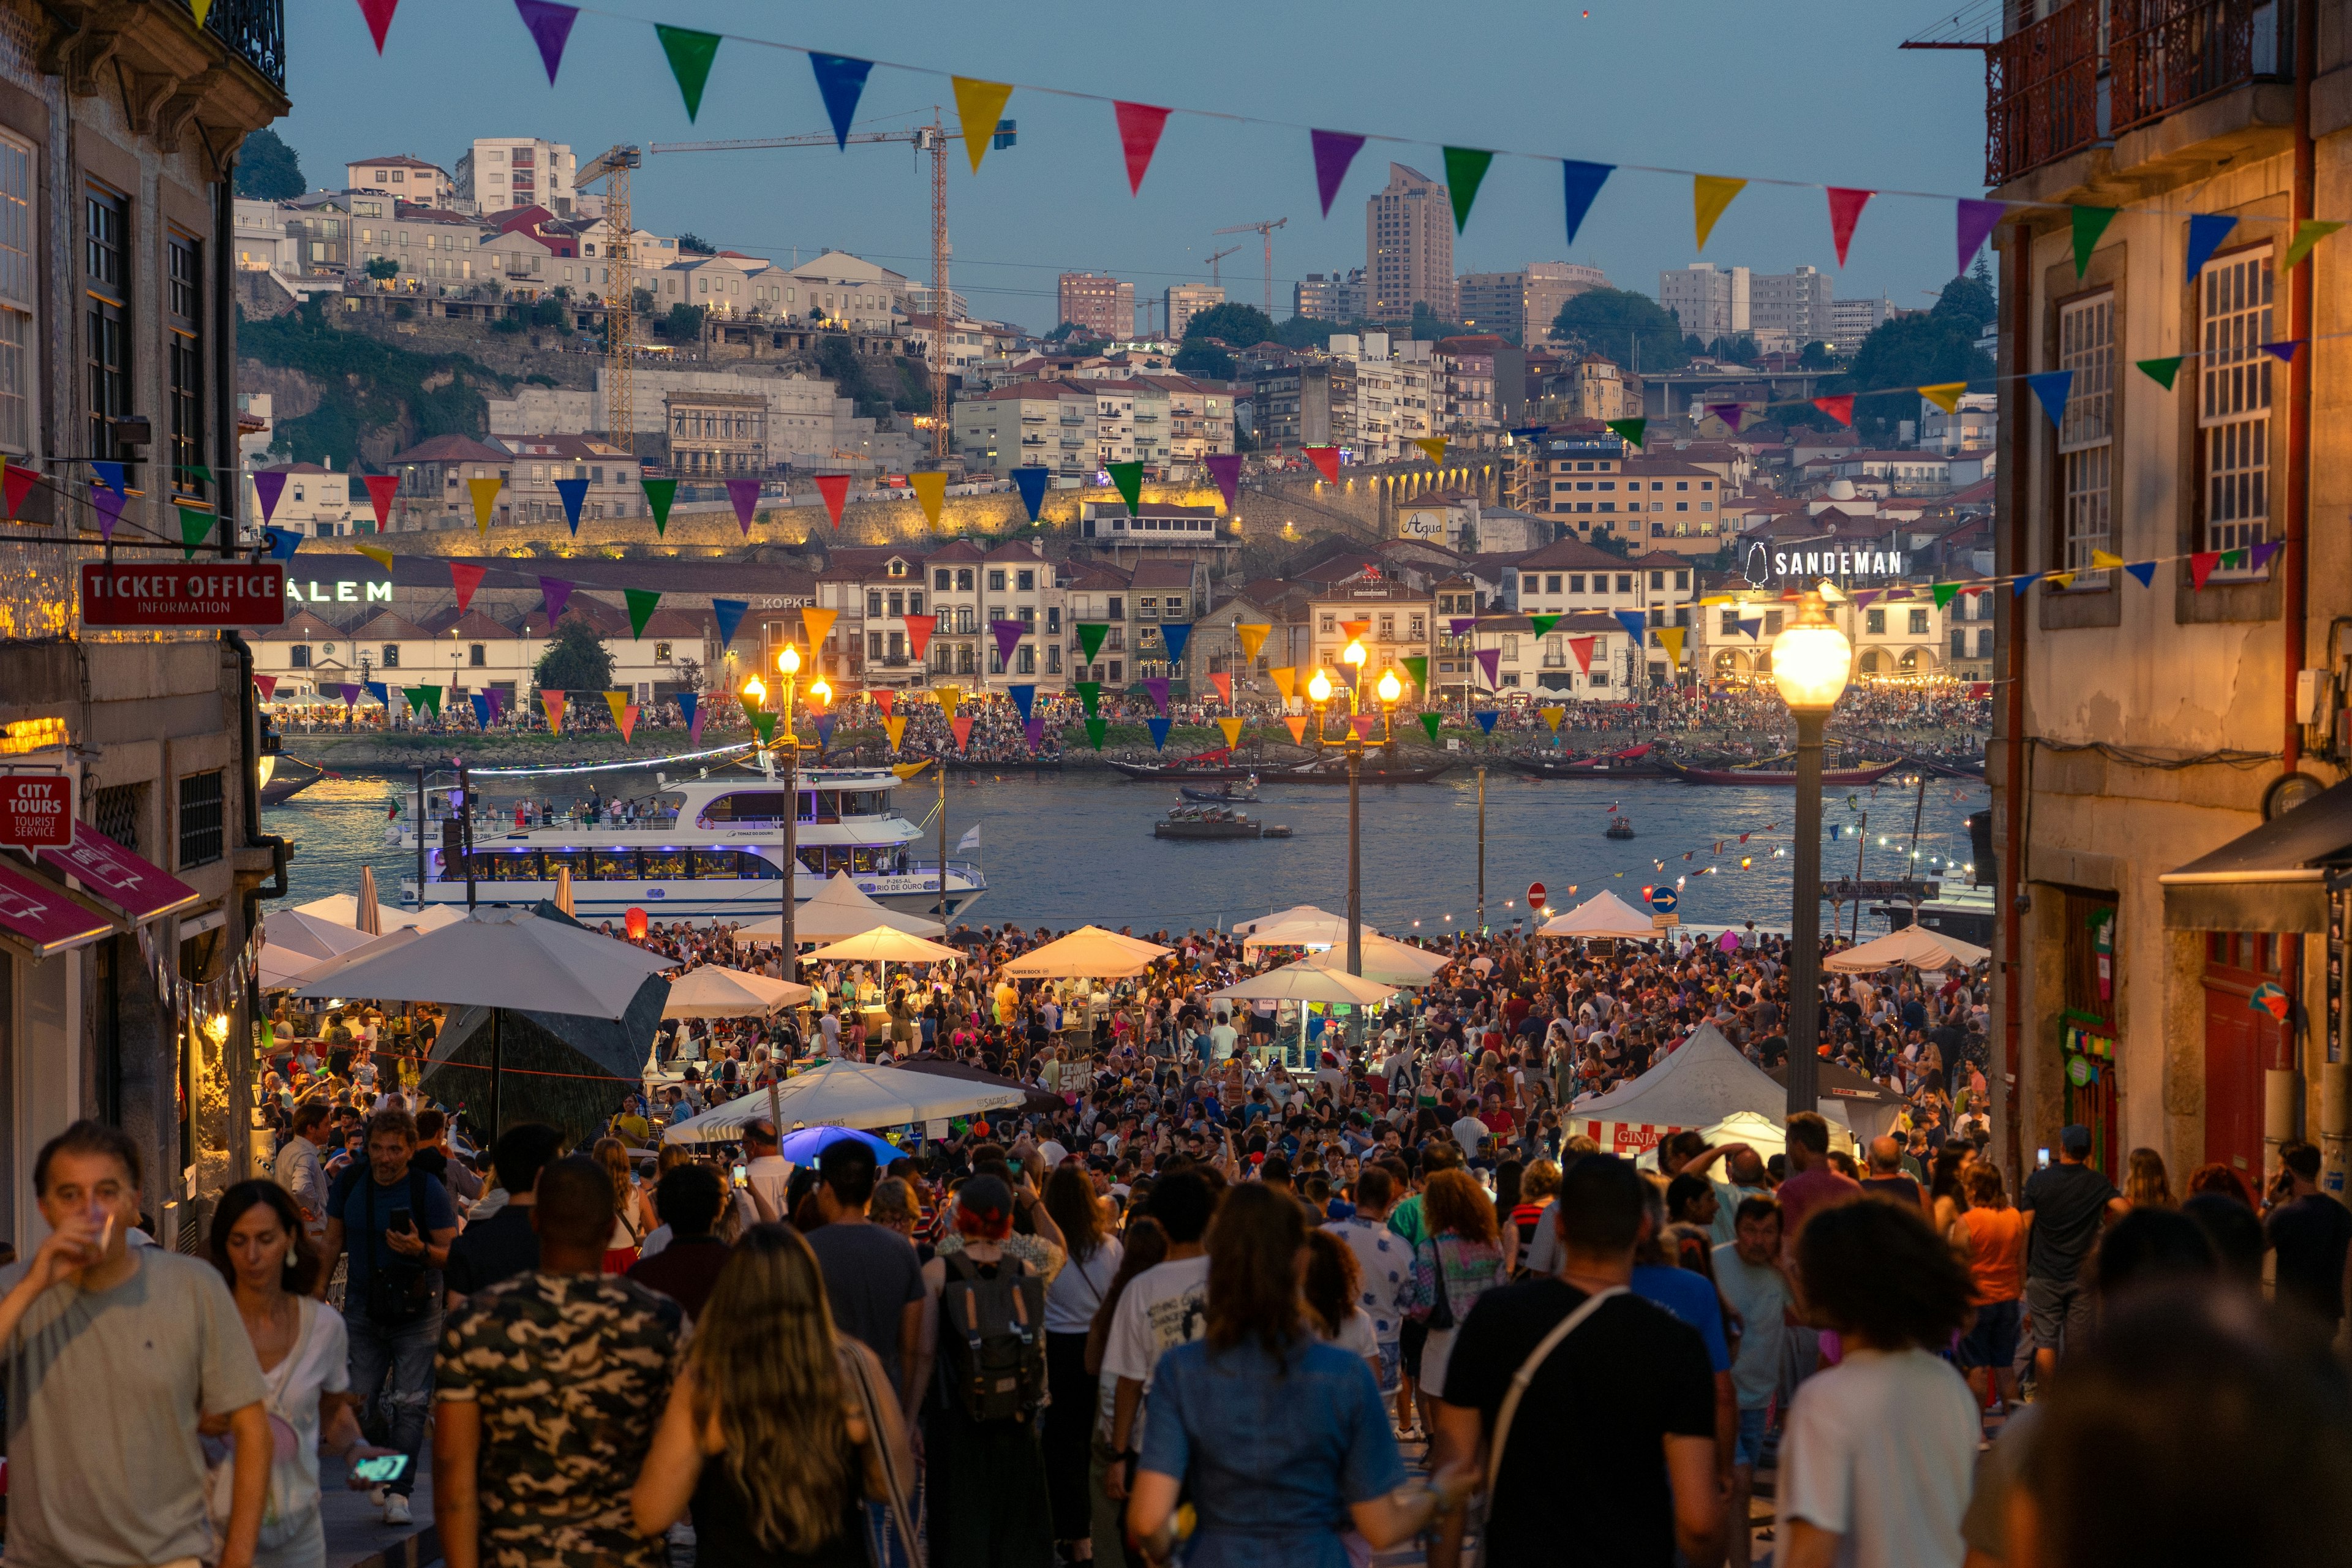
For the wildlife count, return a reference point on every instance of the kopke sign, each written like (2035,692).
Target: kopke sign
(153,595)
(37,811)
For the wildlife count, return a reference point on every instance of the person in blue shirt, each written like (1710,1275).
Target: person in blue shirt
(1691,1296)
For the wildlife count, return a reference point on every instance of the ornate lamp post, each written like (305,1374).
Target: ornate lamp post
(1318,692)
(1811,661)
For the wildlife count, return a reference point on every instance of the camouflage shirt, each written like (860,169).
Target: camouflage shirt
(571,1372)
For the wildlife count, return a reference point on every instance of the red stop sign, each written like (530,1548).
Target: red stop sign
(1535,900)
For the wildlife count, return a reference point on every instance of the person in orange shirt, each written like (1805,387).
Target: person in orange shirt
(1990,1235)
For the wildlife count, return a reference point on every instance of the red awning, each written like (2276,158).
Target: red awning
(114,875)
(42,920)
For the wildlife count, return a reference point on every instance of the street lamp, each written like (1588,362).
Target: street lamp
(1318,691)
(788,665)
(1811,661)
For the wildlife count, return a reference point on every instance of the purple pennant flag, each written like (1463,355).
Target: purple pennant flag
(2262,553)
(1863,597)
(110,504)
(269,486)
(1730,413)
(498,705)
(1490,660)
(1977,220)
(1036,730)
(1459,626)
(745,494)
(1157,686)
(1225,468)
(1334,150)
(2283,350)
(1008,637)
(551,25)
(349,692)
(557,592)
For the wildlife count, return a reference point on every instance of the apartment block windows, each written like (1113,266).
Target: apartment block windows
(2234,398)
(106,290)
(16,286)
(184,299)
(2086,345)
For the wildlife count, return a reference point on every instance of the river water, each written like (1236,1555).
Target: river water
(1060,850)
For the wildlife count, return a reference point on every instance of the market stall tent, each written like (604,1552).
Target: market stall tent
(1601,915)
(1909,947)
(1695,1085)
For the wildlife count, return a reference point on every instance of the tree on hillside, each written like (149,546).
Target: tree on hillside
(1241,325)
(1967,303)
(1741,350)
(682,323)
(1201,357)
(1817,355)
(687,240)
(1306,332)
(1913,350)
(1429,326)
(267,170)
(383,268)
(1632,329)
(1066,328)
(575,660)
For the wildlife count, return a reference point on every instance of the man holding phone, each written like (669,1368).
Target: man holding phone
(399,1223)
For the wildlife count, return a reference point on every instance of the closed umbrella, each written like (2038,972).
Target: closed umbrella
(370,920)
(848,1094)
(564,891)
(1089,952)
(711,991)
(1909,947)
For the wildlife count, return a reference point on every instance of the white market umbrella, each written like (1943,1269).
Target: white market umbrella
(1697,1084)
(1307,982)
(848,1094)
(1088,952)
(1303,925)
(297,934)
(1601,915)
(344,909)
(884,945)
(1910,947)
(282,969)
(498,957)
(711,991)
(1386,960)
(839,909)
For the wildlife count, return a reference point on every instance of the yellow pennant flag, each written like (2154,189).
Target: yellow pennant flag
(486,500)
(554,702)
(2060,579)
(1552,716)
(1252,637)
(1233,729)
(1672,637)
(1285,680)
(2306,234)
(1434,445)
(980,104)
(816,622)
(931,489)
(376,554)
(1945,395)
(948,697)
(1298,728)
(617,701)
(893,727)
(203,8)
(1710,193)
(2100,560)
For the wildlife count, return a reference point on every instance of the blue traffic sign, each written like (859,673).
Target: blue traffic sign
(1664,900)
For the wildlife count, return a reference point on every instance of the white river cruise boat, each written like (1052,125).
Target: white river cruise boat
(705,851)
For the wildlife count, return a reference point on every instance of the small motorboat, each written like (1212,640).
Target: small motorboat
(1206,822)
(1232,792)
(1620,827)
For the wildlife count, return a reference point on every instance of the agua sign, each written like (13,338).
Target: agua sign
(153,596)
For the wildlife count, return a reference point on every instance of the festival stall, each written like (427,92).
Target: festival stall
(1694,1085)
(848,1094)
(1601,916)
(1907,947)
(836,911)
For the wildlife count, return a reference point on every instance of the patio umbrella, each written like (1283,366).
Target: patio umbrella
(1385,960)
(884,945)
(1090,952)
(1908,946)
(1602,915)
(1307,984)
(848,1094)
(312,936)
(344,909)
(802,1148)
(941,1067)
(837,909)
(370,920)
(711,991)
(1291,916)
(1303,926)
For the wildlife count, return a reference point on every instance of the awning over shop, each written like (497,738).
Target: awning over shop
(112,874)
(2273,877)
(44,921)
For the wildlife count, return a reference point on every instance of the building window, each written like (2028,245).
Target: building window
(16,284)
(1918,622)
(2086,345)
(391,655)
(477,656)
(202,822)
(106,277)
(185,299)
(2234,402)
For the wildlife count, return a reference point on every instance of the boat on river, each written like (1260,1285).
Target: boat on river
(1620,827)
(1207,822)
(1633,761)
(1226,794)
(1868,773)
(291,778)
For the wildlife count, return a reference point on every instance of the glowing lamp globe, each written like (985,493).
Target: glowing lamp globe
(821,692)
(1318,690)
(1355,654)
(1812,660)
(788,660)
(1390,688)
(755,691)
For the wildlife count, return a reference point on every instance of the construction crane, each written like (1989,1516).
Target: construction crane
(932,139)
(612,166)
(1233,250)
(1264,231)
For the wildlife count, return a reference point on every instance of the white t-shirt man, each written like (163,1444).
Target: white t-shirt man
(1165,1306)
(1467,1131)
(1882,1449)
(1220,1039)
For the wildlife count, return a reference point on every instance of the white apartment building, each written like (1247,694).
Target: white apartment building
(1185,300)
(1409,246)
(1199,419)
(1710,301)
(315,502)
(434,248)
(1523,304)
(1796,304)
(1398,396)
(1131,422)
(502,171)
(412,179)
(1035,424)
(1970,428)
(1329,296)
(1850,321)
(856,293)
(649,253)
(972,592)
(727,284)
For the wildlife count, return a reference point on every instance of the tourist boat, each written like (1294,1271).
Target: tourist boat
(1211,822)
(1620,827)
(1329,768)
(289,778)
(1955,767)
(703,850)
(1224,793)
(1633,761)
(1869,773)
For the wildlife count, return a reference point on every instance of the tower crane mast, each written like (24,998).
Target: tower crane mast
(1264,231)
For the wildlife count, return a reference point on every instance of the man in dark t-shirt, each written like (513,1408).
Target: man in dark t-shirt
(873,1279)
(2311,1232)
(690,1198)
(1886,1178)
(502,1245)
(1587,1487)
(2065,1208)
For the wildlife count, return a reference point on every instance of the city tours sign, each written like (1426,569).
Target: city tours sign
(37,809)
(154,595)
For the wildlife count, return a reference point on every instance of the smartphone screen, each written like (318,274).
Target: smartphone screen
(2042,1159)
(381,1467)
(738,1173)
(401,1220)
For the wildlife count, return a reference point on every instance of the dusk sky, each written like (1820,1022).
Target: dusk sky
(1813,91)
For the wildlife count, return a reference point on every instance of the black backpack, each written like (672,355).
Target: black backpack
(993,1340)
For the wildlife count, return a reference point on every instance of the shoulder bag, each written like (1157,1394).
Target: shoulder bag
(286,1512)
(1551,1342)
(902,1513)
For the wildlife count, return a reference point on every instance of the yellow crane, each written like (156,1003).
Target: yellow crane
(612,166)
(1265,232)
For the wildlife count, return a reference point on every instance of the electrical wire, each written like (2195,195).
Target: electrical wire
(2133,757)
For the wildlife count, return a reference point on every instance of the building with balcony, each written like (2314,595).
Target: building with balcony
(715,435)
(1329,296)
(1409,247)
(1182,302)
(1103,306)
(406,177)
(1522,305)
(1045,425)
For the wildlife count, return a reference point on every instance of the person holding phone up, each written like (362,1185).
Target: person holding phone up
(399,1223)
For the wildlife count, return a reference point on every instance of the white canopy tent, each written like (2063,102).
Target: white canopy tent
(1303,925)
(836,911)
(343,910)
(1088,952)
(1307,982)
(1389,962)
(1695,1085)
(711,991)
(1601,915)
(884,945)
(848,1094)
(497,957)
(1909,947)
(1762,1133)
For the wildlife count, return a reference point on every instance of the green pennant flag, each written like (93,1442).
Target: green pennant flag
(426,696)
(1128,477)
(2306,234)
(1433,723)
(1464,168)
(1946,593)
(1090,641)
(690,54)
(194,527)
(1540,624)
(2161,370)
(1418,667)
(641,603)
(765,723)
(1096,730)
(203,471)
(1090,692)
(2233,560)
(2090,223)
(659,493)
(1630,429)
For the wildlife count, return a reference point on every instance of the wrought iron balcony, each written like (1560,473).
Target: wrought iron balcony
(253,30)
(2164,54)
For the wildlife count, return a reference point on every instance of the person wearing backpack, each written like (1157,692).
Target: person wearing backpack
(985,1318)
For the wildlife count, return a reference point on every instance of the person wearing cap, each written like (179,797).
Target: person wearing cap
(2066,1207)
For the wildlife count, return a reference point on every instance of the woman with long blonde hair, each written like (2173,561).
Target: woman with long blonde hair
(778,1426)
(628,1206)
(2146,1187)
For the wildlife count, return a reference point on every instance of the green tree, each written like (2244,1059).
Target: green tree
(682,323)
(1241,325)
(1967,303)
(267,169)
(550,313)
(690,240)
(383,268)
(1201,357)
(1429,326)
(1620,325)
(1816,356)
(1914,350)
(1306,332)
(1741,350)
(577,660)
(641,302)
(1065,329)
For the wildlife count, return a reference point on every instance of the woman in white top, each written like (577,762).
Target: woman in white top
(258,1246)
(628,1206)
(1071,1300)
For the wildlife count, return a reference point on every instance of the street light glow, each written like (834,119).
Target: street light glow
(821,693)
(755,693)
(1318,690)
(1391,688)
(1812,660)
(788,660)
(1354,654)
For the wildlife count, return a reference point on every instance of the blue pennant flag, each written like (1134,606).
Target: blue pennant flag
(825,723)
(380,691)
(2206,233)
(1023,698)
(1523,432)
(281,542)
(1581,183)
(1751,629)
(111,475)
(574,493)
(1158,728)
(1836,830)
(2017,589)
(685,701)
(2052,387)
(1487,717)
(481,710)
(729,613)
(2145,571)
(840,80)
(1175,636)
(1636,625)
(1030,483)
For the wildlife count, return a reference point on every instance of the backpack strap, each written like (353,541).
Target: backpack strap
(1528,1370)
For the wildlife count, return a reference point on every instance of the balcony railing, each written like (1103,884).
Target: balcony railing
(2041,92)
(2164,54)
(253,30)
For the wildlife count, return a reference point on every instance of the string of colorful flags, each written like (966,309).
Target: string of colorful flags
(211,998)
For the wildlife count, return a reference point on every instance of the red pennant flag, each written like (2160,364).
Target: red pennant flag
(380,489)
(1139,125)
(1363,723)
(379,18)
(628,721)
(465,579)
(1298,728)
(18,483)
(1224,685)
(1840,408)
(919,633)
(1743,838)
(2201,565)
(267,685)
(1582,648)
(1325,458)
(1845,211)
(961,725)
(834,489)
(887,701)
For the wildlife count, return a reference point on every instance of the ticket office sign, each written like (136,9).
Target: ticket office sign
(199,594)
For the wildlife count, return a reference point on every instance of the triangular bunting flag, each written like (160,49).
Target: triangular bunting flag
(2161,370)
(729,613)
(626,719)
(947,697)
(2051,389)
(2017,588)
(1490,660)
(1285,680)
(108,507)
(840,82)
(930,489)
(1845,211)
(380,690)
(2206,233)
(1251,634)
(887,702)
(1096,730)
(1089,696)
(281,543)
(17,482)
(111,475)
(376,554)
(1158,728)
(895,727)
(690,707)
(432,699)
(2262,553)
(1579,182)
(1629,431)
(1355,630)
(1024,697)
(1128,477)
(2306,234)
(1362,723)
(1636,625)
(1334,150)
(2145,571)
(641,602)
(1233,729)
(1945,592)
(379,18)
(1582,648)
(267,488)
(1672,637)
(267,685)
(1296,724)
(961,725)
(1158,689)
(1090,639)
(2061,579)
(1553,716)
(1730,413)
(463,581)
(659,495)
(1487,717)
(825,723)
(763,724)
(744,496)
(1008,637)
(551,25)
(1224,685)
(555,593)
(919,633)
(1839,407)
(978,106)
(194,527)
(1542,625)
(1432,447)
(1327,459)
(690,54)
(1175,635)
(1945,395)
(2090,223)
(834,489)
(1225,468)
(2234,559)
(1710,193)
(485,500)
(380,489)
(575,495)
(1977,220)
(1030,483)
(2283,350)
(1752,628)
(1416,666)
(1432,722)
(554,702)
(1465,168)
(816,624)
(1139,125)
(617,701)
(2101,561)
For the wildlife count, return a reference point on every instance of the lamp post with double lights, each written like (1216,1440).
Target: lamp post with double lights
(1811,661)
(787,740)
(1318,691)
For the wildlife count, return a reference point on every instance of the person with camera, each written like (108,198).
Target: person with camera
(398,1224)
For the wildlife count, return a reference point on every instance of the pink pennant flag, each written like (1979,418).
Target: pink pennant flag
(379,18)
(1225,468)
(17,482)
(1977,221)
(745,495)
(1846,210)
(834,489)
(1362,724)
(1139,125)
(1334,150)
(380,489)
(1157,686)
(269,486)
(110,505)
(1035,732)
(465,579)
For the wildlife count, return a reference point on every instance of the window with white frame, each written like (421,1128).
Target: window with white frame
(2086,345)
(2233,397)
(16,287)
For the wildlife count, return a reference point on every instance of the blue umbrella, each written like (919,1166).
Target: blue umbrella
(803,1147)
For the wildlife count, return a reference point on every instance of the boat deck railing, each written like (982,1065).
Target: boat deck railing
(967,869)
